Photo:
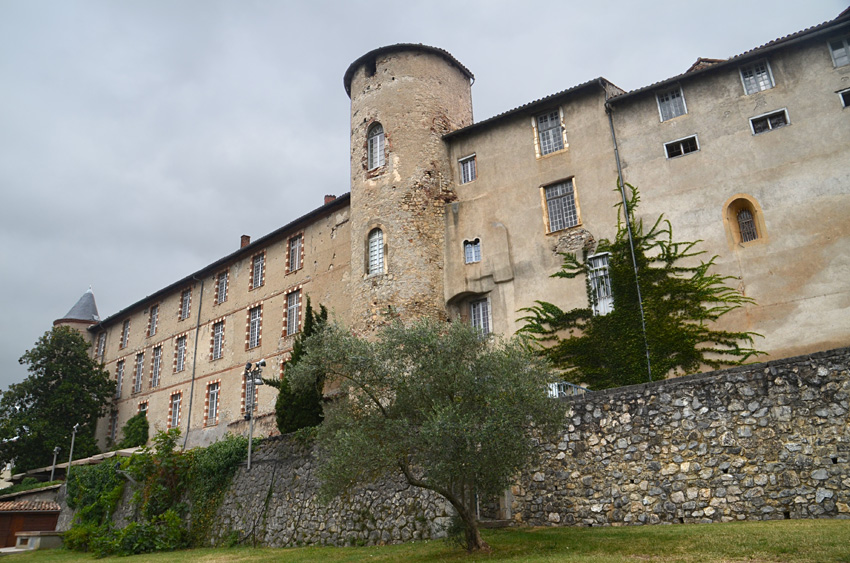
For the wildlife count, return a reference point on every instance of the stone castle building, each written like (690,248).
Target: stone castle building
(453,218)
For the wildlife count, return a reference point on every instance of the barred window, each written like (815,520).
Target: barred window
(295,246)
(561,206)
(218,340)
(549,132)
(756,77)
(376,146)
(257,266)
(125,333)
(156,366)
(601,297)
(671,103)
(181,354)
(185,300)
(293,306)
(746,225)
(376,252)
(139,372)
(254,324)
(467,169)
(221,288)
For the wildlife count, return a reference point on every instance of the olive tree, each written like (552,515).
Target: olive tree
(448,408)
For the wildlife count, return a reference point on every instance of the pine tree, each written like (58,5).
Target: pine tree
(300,409)
(680,303)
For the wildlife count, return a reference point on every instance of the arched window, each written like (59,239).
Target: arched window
(744,220)
(376,252)
(376,146)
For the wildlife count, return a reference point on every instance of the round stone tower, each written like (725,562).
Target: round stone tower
(404,98)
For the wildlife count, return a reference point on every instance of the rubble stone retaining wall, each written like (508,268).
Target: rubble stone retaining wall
(767,441)
(276,504)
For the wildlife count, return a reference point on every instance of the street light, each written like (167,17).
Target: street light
(53,469)
(253,378)
(71,455)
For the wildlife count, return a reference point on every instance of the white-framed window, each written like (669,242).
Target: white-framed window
(125,333)
(154,317)
(844,96)
(471,251)
(139,372)
(681,147)
(467,169)
(212,401)
(174,410)
(671,103)
(185,303)
(180,363)
(599,280)
(561,206)
(221,287)
(376,252)
(293,307)
(143,408)
(119,378)
(101,345)
(295,245)
(375,144)
(218,340)
(839,49)
(156,366)
(769,121)
(255,320)
(479,315)
(258,264)
(549,132)
(756,77)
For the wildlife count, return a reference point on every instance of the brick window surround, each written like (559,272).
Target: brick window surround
(295,253)
(181,350)
(212,403)
(217,339)
(153,318)
(258,270)
(254,327)
(185,304)
(125,333)
(156,366)
(221,280)
(174,402)
(292,313)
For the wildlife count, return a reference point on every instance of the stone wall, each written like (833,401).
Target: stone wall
(766,441)
(276,504)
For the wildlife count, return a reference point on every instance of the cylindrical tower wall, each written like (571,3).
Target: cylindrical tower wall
(416,94)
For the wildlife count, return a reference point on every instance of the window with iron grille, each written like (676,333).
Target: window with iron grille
(293,306)
(212,400)
(840,51)
(681,147)
(174,411)
(467,169)
(561,206)
(101,345)
(185,301)
(138,372)
(221,288)
(479,315)
(550,132)
(375,146)
(671,103)
(769,121)
(218,340)
(746,225)
(257,266)
(472,251)
(254,324)
(181,354)
(756,77)
(156,366)
(119,378)
(295,245)
(153,320)
(125,333)
(376,252)
(599,278)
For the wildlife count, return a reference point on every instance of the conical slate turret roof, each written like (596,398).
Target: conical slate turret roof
(84,310)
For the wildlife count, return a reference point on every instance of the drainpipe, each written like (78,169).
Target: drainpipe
(194,362)
(622,185)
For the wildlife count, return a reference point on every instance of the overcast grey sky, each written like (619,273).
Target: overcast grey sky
(140,139)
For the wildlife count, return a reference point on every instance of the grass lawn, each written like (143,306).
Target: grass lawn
(816,541)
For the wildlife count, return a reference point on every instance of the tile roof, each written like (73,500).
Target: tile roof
(84,310)
(29,506)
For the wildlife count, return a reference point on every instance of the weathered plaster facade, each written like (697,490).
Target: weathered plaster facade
(439,186)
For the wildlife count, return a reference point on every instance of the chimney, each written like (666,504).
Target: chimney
(246,240)
(329,198)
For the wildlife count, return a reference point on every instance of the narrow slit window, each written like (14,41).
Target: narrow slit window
(376,252)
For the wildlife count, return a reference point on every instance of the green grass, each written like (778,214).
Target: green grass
(815,541)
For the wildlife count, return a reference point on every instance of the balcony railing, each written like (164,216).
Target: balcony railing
(564,389)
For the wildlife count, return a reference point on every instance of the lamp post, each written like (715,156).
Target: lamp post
(53,469)
(71,455)
(253,378)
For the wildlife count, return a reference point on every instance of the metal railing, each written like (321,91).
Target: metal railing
(565,389)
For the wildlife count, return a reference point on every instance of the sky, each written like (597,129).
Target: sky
(140,139)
